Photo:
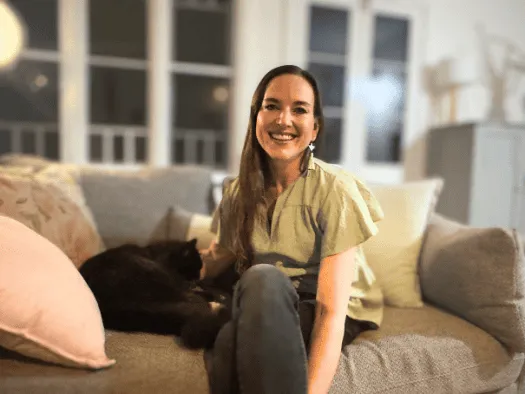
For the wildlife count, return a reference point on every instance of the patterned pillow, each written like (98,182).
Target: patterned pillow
(51,207)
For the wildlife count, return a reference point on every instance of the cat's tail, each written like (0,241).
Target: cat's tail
(200,330)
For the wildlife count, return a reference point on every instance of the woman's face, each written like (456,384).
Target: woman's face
(285,122)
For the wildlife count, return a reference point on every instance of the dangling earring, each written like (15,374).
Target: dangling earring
(312,147)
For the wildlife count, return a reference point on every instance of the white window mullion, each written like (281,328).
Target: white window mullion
(39,141)
(129,146)
(16,140)
(108,138)
(159,82)
(74,93)
(358,64)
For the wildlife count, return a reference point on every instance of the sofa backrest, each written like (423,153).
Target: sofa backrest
(131,206)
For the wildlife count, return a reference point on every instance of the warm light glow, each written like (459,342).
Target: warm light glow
(12,35)
(220,94)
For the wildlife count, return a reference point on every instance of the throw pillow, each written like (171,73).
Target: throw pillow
(393,254)
(47,311)
(478,274)
(52,208)
(182,225)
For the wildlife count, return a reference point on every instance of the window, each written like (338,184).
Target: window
(327,59)
(389,76)
(118,80)
(29,93)
(201,81)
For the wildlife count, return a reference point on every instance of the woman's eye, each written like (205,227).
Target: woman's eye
(300,110)
(270,106)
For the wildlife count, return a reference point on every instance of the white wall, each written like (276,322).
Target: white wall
(262,43)
(452,33)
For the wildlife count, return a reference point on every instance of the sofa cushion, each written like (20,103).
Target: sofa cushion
(129,206)
(425,350)
(182,225)
(49,201)
(478,274)
(146,364)
(46,309)
(393,253)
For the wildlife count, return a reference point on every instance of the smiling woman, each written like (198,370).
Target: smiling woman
(292,225)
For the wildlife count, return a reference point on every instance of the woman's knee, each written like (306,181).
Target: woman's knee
(264,284)
(264,276)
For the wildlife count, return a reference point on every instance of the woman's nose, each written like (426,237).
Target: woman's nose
(285,117)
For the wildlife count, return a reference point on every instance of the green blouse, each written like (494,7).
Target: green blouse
(324,212)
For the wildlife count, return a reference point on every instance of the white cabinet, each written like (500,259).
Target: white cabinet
(483,166)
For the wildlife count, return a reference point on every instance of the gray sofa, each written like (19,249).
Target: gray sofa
(468,338)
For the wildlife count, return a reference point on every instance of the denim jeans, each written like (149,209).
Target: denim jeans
(263,348)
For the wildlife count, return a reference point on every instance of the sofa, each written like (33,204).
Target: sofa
(468,336)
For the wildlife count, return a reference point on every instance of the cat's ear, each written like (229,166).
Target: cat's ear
(193,242)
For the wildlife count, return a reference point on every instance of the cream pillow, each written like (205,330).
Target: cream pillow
(200,228)
(393,253)
(47,311)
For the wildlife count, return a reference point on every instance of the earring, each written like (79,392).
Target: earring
(311,146)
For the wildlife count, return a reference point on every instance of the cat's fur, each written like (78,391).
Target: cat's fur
(156,288)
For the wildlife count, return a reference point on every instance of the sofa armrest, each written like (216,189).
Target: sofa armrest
(477,274)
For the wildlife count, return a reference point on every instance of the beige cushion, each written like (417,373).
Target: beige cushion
(393,253)
(425,351)
(478,274)
(50,203)
(182,225)
(47,310)
(133,205)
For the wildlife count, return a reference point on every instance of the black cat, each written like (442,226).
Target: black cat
(156,288)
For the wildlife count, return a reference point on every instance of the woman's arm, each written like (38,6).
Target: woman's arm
(215,260)
(336,276)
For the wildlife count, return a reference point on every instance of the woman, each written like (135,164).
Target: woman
(292,225)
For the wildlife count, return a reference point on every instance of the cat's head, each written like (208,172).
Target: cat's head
(189,262)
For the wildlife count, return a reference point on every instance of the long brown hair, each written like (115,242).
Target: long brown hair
(254,171)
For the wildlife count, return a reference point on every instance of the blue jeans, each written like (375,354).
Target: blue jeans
(262,349)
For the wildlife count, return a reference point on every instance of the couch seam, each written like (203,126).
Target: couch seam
(445,374)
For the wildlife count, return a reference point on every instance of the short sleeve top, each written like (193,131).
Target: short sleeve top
(324,212)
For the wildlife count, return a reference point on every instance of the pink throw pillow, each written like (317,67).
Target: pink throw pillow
(47,311)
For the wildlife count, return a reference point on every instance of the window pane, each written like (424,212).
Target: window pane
(118,149)
(51,145)
(220,154)
(28,142)
(95,148)
(201,102)
(5,141)
(118,28)
(328,30)
(202,33)
(331,80)
(118,96)
(40,20)
(30,92)
(384,142)
(140,149)
(331,141)
(177,151)
(391,38)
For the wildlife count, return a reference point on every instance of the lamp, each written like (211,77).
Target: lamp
(12,36)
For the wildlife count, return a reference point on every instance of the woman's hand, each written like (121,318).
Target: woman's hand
(215,260)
